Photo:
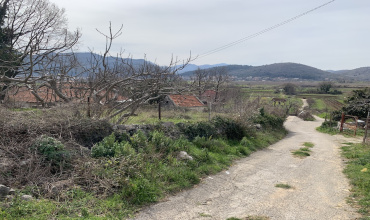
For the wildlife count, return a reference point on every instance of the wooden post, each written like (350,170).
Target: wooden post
(342,122)
(88,107)
(159,111)
(367,126)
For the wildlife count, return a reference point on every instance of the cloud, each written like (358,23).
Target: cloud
(161,28)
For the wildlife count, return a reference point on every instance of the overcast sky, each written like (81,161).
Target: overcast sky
(336,36)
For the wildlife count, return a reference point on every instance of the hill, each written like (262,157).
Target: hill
(282,71)
(277,71)
(359,74)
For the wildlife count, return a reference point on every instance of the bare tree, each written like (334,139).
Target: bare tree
(112,77)
(201,80)
(38,35)
(220,77)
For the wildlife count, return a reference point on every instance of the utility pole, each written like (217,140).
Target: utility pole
(367,127)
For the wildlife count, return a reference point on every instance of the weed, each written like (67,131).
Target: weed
(357,170)
(283,185)
(308,144)
(204,215)
(301,153)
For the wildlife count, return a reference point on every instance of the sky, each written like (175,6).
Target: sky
(334,37)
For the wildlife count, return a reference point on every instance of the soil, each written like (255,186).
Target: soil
(319,188)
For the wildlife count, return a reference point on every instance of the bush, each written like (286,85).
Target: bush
(109,147)
(229,128)
(201,129)
(53,151)
(269,121)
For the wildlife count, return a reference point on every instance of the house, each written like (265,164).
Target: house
(183,101)
(25,97)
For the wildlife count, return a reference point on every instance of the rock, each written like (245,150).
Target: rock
(4,191)
(26,197)
(184,156)
(258,126)
(56,187)
(11,191)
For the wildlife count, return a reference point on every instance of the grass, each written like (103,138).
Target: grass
(308,144)
(304,151)
(150,116)
(358,171)
(283,185)
(346,132)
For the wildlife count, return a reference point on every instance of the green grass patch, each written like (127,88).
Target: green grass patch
(304,151)
(283,185)
(308,144)
(358,171)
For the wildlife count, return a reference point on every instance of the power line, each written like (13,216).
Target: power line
(262,31)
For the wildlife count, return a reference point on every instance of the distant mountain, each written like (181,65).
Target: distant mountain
(193,67)
(84,58)
(277,71)
(283,71)
(359,74)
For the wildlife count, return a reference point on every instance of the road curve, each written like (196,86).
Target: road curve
(248,187)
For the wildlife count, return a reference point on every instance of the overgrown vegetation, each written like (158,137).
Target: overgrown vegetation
(121,172)
(358,171)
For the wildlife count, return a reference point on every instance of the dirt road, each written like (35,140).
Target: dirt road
(248,187)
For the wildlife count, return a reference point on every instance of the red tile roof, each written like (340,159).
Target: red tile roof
(23,94)
(186,101)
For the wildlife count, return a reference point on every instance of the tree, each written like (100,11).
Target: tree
(201,80)
(289,89)
(220,77)
(110,77)
(325,87)
(6,52)
(37,36)
(358,104)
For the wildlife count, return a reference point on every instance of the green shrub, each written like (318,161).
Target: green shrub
(109,147)
(200,129)
(269,121)
(53,151)
(161,142)
(229,128)
(141,191)
(105,148)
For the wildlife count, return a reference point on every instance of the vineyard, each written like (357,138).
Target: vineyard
(333,104)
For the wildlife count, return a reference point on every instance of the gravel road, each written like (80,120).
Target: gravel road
(248,187)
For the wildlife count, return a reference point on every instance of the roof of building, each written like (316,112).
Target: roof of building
(209,93)
(186,101)
(23,94)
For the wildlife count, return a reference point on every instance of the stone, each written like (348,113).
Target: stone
(56,187)
(184,156)
(258,126)
(4,191)
(26,197)
(11,191)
